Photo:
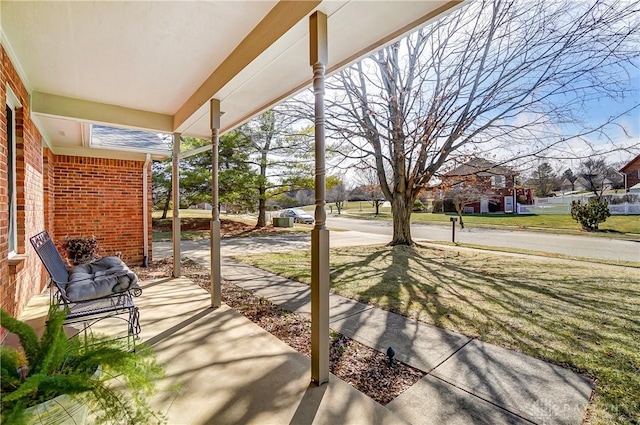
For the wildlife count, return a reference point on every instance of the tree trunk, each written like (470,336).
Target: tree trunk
(262,207)
(401,210)
(459,208)
(166,205)
(262,189)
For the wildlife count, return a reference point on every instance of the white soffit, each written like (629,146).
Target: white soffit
(356,29)
(148,64)
(141,55)
(62,133)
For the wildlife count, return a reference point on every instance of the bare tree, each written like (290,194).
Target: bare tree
(338,195)
(466,194)
(304,197)
(599,175)
(492,74)
(367,177)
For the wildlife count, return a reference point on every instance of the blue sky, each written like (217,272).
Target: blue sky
(607,107)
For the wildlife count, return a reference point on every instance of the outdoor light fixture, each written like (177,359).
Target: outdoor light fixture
(391,353)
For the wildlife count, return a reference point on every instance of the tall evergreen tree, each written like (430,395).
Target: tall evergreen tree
(571,178)
(280,151)
(544,180)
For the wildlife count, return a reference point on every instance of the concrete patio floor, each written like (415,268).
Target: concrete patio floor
(468,381)
(223,369)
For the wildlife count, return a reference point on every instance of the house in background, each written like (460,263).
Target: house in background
(579,185)
(583,184)
(493,185)
(631,171)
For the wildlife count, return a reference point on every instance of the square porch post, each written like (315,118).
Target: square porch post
(319,234)
(216,275)
(175,197)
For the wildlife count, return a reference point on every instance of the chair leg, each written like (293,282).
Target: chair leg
(134,325)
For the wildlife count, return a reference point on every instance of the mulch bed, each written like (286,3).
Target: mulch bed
(200,223)
(363,367)
(228,227)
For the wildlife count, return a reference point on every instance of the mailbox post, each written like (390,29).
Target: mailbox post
(453,228)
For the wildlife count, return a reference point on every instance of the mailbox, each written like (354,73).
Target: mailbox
(453,228)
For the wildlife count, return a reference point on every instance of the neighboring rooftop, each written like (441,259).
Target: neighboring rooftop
(635,162)
(480,167)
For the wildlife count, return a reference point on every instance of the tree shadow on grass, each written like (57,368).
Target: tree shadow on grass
(585,320)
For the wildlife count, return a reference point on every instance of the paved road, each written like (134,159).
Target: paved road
(573,245)
(363,232)
(199,250)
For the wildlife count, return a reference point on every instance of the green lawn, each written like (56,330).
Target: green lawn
(577,316)
(615,226)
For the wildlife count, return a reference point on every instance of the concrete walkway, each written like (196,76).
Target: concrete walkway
(468,381)
(223,369)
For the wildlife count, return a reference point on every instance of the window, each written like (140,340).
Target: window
(11,105)
(498,182)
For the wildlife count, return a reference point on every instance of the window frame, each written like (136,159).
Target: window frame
(11,104)
(498,181)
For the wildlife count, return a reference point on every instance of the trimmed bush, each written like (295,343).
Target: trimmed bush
(590,214)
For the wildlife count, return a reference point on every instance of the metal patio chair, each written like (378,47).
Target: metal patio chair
(93,292)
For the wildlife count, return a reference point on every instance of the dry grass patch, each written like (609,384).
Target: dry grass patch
(582,317)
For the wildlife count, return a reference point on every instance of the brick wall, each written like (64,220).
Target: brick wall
(66,195)
(101,197)
(22,276)
(49,190)
(5,291)
(632,170)
(633,178)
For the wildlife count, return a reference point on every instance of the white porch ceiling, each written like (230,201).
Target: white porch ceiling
(155,65)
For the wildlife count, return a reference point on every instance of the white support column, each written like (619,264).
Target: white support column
(216,275)
(319,234)
(175,197)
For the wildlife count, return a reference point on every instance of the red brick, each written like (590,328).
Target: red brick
(67,195)
(101,197)
(17,288)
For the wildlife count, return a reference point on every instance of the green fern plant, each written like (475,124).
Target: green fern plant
(45,368)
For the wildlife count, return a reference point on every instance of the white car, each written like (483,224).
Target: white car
(299,216)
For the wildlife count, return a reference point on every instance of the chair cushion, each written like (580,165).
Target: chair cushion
(99,279)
